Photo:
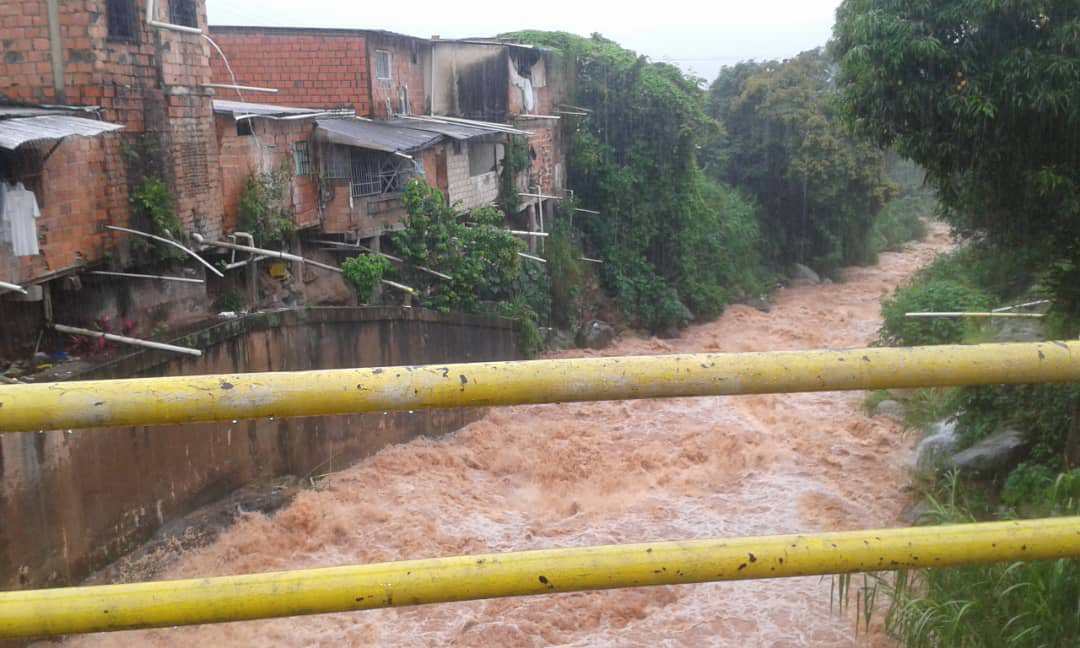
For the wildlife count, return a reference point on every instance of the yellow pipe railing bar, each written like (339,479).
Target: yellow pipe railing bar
(187,399)
(466,578)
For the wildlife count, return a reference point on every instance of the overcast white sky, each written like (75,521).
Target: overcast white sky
(699,36)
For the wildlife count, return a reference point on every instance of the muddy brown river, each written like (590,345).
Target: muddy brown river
(543,476)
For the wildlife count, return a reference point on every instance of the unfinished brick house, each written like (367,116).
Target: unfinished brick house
(149,80)
(495,89)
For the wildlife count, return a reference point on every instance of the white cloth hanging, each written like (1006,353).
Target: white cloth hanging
(18,217)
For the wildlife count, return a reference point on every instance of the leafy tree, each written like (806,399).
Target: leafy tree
(985,95)
(819,188)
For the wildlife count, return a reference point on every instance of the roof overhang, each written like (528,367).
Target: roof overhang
(455,131)
(376,136)
(246,110)
(16,131)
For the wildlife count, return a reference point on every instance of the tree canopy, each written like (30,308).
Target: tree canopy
(985,95)
(818,187)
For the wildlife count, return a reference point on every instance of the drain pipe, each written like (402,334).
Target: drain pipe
(166,241)
(150,20)
(13,287)
(147,344)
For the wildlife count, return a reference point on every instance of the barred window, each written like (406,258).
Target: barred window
(122,20)
(382,65)
(301,159)
(183,12)
(375,173)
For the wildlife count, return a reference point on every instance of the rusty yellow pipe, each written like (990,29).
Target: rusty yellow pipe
(186,399)
(465,578)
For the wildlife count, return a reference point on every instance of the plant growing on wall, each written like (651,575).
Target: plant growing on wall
(265,210)
(515,160)
(364,273)
(153,204)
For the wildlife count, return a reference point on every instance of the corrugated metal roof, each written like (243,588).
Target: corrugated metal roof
(20,130)
(377,136)
(261,110)
(453,131)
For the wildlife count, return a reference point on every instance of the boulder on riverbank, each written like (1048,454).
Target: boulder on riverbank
(803,276)
(595,335)
(996,454)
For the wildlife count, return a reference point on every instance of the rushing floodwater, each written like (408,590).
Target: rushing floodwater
(543,476)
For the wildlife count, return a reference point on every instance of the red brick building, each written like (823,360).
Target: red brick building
(149,79)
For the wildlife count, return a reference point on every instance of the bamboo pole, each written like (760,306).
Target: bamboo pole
(994,315)
(105,608)
(130,275)
(343,247)
(1006,309)
(188,399)
(146,344)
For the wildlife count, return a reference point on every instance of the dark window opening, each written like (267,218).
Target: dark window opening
(243,128)
(182,12)
(482,157)
(122,19)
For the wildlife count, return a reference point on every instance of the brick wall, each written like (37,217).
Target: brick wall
(150,83)
(408,58)
(470,191)
(74,209)
(311,68)
(242,156)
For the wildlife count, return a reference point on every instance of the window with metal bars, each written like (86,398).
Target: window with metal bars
(121,19)
(369,173)
(183,12)
(382,65)
(301,158)
(375,173)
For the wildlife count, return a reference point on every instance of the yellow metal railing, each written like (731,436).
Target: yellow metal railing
(189,399)
(465,578)
(210,398)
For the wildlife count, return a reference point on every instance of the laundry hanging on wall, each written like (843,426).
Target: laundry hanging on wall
(18,219)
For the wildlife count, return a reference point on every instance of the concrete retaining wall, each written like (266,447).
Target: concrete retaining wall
(71,502)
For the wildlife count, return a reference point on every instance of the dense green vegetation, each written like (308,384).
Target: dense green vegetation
(364,273)
(675,243)
(1026,605)
(985,96)
(688,181)
(819,188)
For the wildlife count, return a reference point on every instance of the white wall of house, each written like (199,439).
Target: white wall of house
(470,190)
